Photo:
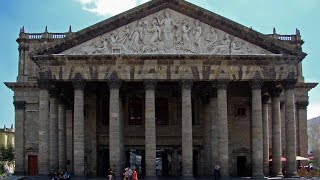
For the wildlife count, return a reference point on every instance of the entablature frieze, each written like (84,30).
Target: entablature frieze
(171,69)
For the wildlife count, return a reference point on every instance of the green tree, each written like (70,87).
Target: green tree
(7,153)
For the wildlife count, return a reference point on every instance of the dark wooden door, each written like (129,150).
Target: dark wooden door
(32,165)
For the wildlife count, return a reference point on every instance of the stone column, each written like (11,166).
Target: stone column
(222,127)
(43,157)
(265,122)
(256,130)
(53,131)
(276,132)
(303,127)
(78,125)
(62,136)
(19,137)
(114,126)
(187,145)
(213,130)
(150,128)
(291,149)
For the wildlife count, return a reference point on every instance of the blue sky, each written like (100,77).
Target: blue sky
(261,15)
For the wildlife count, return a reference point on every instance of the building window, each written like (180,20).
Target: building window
(241,111)
(162,113)
(135,111)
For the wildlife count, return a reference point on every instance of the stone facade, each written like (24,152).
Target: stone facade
(167,87)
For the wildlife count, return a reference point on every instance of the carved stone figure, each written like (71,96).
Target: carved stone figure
(197,31)
(156,34)
(187,44)
(114,37)
(168,30)
(136,37)
(211,39)
(224,47)
(236,47)
(126,35)
(101,46)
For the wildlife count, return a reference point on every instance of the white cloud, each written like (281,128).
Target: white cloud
(108,7)
(313,110)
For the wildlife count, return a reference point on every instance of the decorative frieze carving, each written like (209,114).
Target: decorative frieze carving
(19,105)
(166,31)
(78,82)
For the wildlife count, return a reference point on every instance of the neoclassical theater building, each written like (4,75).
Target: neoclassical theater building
(168,88)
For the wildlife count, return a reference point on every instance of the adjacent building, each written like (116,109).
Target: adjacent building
(167,87)
(7,137)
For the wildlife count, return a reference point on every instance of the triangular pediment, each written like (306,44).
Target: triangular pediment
(166,31)
(187,29)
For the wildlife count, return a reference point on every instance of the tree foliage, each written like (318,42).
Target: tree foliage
(7,153)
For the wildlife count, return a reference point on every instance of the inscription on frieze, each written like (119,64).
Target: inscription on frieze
(166,32)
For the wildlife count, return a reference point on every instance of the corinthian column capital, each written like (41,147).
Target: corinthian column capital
(150,84)
(78,82)
(289,83)
(186,84)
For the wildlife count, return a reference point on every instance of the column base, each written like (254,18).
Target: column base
(258,176)
(291,176)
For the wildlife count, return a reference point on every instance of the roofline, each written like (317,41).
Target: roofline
(180,6)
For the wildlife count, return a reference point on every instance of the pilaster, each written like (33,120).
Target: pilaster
(53,131)
(62,135)
(19,137)
(44,142)
(303,127)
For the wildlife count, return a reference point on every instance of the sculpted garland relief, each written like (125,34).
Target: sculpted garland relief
(167,32)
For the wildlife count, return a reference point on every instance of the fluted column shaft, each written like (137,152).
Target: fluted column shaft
(62,136)
(187,145)
(222,126)
(256,131)
(276,133)
(114,126)
(290,119)
(19,137)
(53,131)
(150,128)
(78,126)
(265,121)
(43,127)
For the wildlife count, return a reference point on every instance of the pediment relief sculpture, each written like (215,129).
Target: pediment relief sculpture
(166,32)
